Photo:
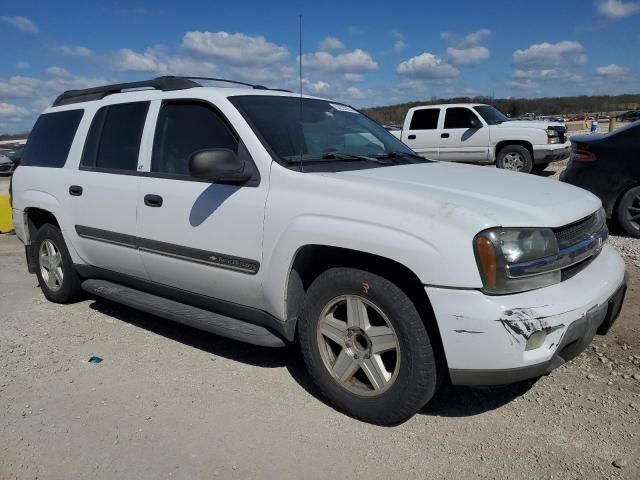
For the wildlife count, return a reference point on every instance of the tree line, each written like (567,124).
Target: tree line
(517,107)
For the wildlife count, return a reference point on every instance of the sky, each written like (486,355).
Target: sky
(360,52)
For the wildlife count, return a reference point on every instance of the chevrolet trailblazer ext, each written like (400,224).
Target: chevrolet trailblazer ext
(275,219)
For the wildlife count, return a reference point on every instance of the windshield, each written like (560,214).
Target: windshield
(305,130)
(491,115)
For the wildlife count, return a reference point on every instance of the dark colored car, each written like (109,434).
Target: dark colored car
(630,116)
(609,167)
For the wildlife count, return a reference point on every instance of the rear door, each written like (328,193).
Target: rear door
(464,136)
(202,237)
(421,132)
(102,193)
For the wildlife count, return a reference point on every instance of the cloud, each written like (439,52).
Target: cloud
(21,23)
(18,86)
(526,84)
(157,62)
(470,40)
(315,87)
(355,93)
(357,61)
(353,77)
(57,71)
(22,65)
(467,50)
(612,70)
(74,51)
(399,45)
(235,48)
(617,9)
(11,110)
(551,54)
(465,56)
(330,43)
(427,66)
(546,74)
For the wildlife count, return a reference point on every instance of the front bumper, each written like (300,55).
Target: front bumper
(551,153)
(484,337)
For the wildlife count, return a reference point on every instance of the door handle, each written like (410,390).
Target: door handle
(75,190)
(444,135)
(151,200)
(411,137)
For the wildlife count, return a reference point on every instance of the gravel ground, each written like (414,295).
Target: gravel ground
(168,401)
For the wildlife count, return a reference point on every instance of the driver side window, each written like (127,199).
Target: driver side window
(184,127)
(460,117)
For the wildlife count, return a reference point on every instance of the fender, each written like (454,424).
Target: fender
(384,241)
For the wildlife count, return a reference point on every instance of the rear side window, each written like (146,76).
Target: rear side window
(183,128)
(51,138)
(113,142)
(425,119)
(459,118)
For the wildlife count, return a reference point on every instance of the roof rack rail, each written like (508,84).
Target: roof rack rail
(166,83)
(98,93)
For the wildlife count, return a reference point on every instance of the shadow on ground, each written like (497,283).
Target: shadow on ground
(450,401)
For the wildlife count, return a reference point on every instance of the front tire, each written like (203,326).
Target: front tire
(515,158)
(628,212)
(366,347)
(58,279)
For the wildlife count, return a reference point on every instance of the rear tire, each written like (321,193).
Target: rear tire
(515,158)
(628,212)
(366,347)
(56,274)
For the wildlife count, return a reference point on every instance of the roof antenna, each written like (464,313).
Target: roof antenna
(300,73)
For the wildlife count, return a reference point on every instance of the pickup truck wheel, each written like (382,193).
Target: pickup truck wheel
(628,212)
(366,347)
(516,158)
(56,274)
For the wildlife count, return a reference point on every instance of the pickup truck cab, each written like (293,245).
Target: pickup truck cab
(482,134)
(276,219)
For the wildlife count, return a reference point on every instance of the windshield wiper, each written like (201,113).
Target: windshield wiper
(415,157)
(334,157)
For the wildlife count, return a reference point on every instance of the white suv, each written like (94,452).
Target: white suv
(276,219)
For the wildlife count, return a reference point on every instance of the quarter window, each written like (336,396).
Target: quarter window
(425,119)
(51,138)
(459,118)
(113,142)
(184,128)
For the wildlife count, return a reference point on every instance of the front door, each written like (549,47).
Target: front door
(202,237)
(464,138)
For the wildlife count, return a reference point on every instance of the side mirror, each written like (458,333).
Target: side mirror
(218,165)
(475,123)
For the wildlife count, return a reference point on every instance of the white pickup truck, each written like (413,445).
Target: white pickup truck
(276,219)
(479,133)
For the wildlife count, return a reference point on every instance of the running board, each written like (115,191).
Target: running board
(183,313)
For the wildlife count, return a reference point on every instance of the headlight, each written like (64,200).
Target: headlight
(499,248)
(553,136)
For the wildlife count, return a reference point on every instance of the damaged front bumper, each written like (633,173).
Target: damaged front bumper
(488,340)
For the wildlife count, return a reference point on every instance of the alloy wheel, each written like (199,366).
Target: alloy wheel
(51,265)
(358,345)
(513,161)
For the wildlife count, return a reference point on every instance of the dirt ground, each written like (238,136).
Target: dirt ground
(168,401)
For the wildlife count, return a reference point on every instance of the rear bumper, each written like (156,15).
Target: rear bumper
(551,153)
(485,337)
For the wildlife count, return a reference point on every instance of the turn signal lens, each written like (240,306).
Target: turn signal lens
(536,340)
(488,261)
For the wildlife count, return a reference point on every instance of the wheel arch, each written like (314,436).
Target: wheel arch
(522,143)
(312,260)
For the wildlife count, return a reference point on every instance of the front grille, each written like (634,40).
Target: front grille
(578,231)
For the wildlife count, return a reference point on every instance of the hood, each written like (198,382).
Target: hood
(486,196)
(529,124)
